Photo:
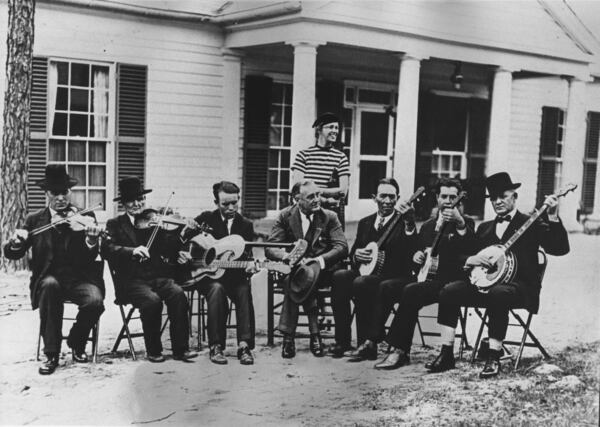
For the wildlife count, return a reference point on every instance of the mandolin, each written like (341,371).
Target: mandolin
(504,263)
(432,258)
(375,267)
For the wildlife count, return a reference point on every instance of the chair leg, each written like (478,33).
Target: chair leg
(37,355)
(125,332)
(95,333)
(421,332)
(479,333)
(270,314)
(527,333)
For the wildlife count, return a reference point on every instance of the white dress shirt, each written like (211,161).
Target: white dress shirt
(502,226)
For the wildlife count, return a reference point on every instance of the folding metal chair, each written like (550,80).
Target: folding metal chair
(523,324)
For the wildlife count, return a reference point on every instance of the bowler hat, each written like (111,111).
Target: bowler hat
(326,118)
(56,179)
(304,280)
(498,183)
(130,188)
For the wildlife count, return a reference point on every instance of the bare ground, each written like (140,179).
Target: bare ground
(306,390)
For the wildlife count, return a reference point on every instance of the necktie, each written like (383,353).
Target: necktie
(500,219)
(380,224)
(310,223)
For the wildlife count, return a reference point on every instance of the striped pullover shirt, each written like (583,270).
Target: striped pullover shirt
(318,164)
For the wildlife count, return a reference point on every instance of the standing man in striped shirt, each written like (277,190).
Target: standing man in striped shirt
(325,165)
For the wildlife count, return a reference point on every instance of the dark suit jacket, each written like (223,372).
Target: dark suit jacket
(453,249)
(240,226)
(82,257)
(118,251)
(328,239)
(551,236)
(398,247)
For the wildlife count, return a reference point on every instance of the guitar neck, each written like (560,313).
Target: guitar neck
(438,238)
(524,227)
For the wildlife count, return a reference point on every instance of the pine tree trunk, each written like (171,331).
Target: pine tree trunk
(15,136)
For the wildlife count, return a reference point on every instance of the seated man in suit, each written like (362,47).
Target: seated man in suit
(347,284)
(235,284)
(327,244)
(144,273)
(522,292)
(455,232)
(63,267)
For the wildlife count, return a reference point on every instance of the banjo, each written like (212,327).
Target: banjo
(432,258)
(504,264)
(375,266)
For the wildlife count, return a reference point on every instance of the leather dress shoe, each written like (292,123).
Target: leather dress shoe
(156,358)
(49,366)
(443,362)
(245,356)
(288,349)
(316,345)
(492,364)
(80,356)
(393,360)
(364,352)
(338,351)
(185,356)
(216,355)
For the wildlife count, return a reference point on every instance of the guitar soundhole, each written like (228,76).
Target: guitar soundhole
(211,254)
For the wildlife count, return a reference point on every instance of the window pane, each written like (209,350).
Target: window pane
(273,158)
(374,133)
(272,179)
(79,100)
(370,174)
(80,75)
(63,73)
(287,119)
(78,172)
(78,125)
(56,151)
(97,151)
(274,136)
(288,94)
(97,196)
(60,124)
(272,201)
(287,136)
(97,176)
(100,83)
(285,179)
(78,198)
(285,159)
(77,151)
(456,163)
(62,98)
(445,163)
(284,197)
(276,116)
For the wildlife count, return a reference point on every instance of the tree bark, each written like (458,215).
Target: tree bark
(15,137)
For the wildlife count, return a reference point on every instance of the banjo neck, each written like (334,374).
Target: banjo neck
(513,239)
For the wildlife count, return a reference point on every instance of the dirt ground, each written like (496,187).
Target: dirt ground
(306,390)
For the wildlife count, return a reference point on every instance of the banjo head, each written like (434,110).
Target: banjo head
(502,271)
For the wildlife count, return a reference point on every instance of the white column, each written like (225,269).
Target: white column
(407,110)
(304,98)
(498,142)
(232,76)
(573,152)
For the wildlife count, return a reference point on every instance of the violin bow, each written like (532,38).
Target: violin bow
(159,222)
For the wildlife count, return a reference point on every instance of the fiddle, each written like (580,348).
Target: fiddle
(150,218)
(76,220)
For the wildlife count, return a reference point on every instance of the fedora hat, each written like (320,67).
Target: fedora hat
(326,118)
(130,188)
(56,179)
(304,280)
(498,183)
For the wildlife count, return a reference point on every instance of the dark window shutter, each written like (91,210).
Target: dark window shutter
(479,121)
(257,105)
(590,162)
(131,120)
(548,148)
(37,152)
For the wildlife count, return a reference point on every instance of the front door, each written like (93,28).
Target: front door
(371,159)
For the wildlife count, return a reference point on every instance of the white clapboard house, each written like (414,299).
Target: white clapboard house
(185,93)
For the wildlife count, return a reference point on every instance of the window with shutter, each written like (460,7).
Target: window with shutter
(550,160)
(590,162)
(38,127)
(257,126)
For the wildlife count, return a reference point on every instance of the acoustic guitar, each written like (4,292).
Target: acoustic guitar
(432,258)
(375,266)
(222,255)
(504,263)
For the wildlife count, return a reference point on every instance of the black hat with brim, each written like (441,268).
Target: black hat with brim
(56,179)
(130,188)
(325,119)
(304,280)
(498,183)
